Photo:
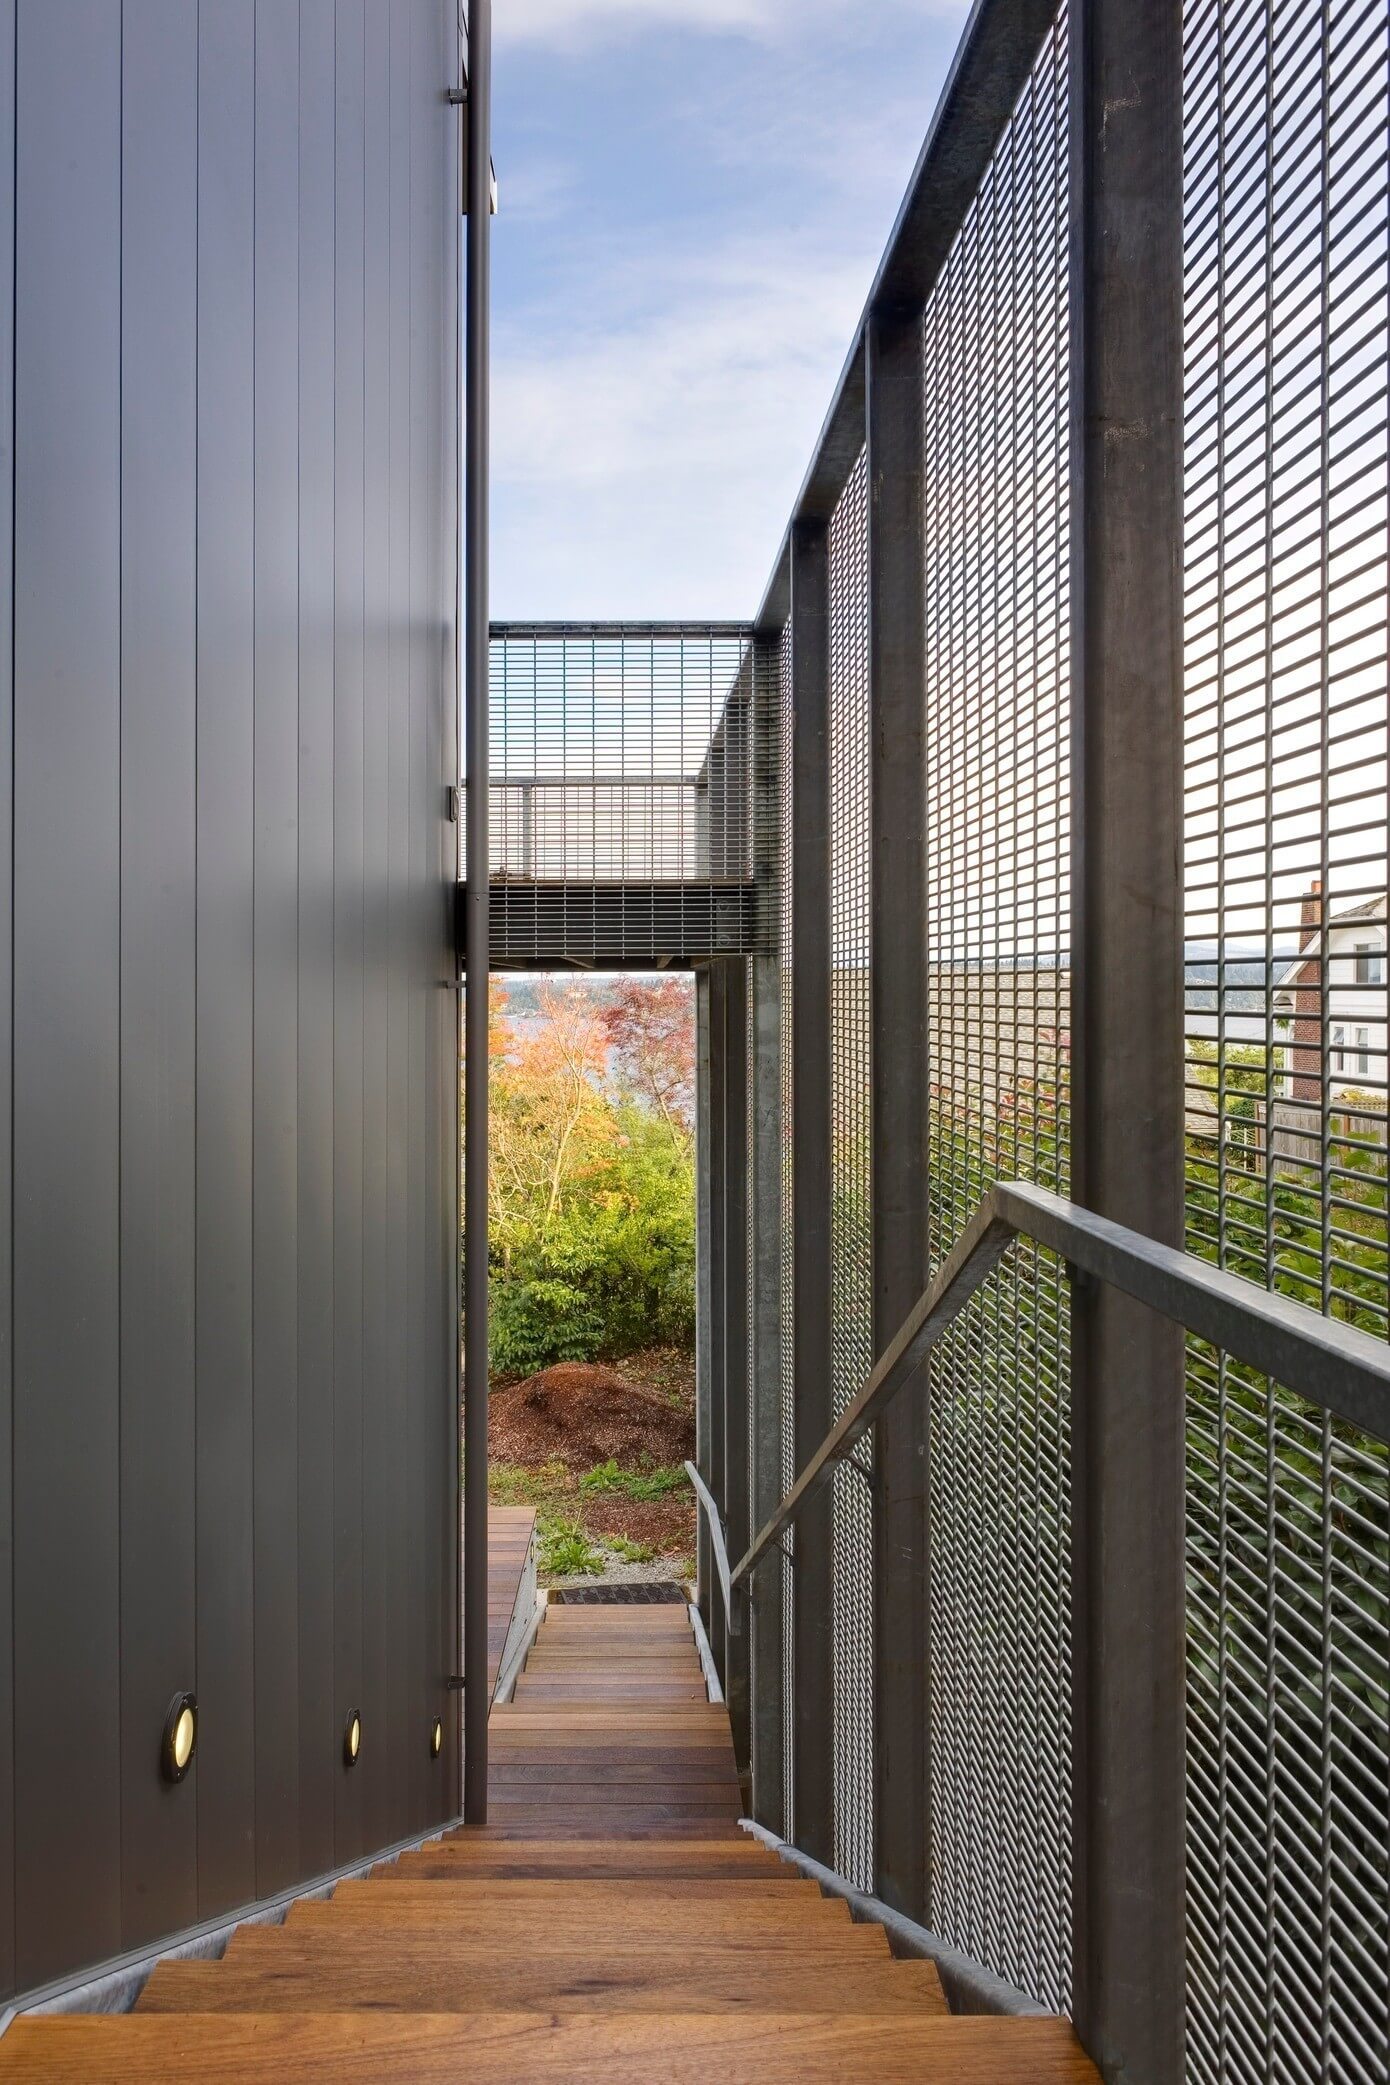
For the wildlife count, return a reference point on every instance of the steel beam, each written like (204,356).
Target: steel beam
(477,322)
(810,987)
(899,1088)
(1127,1031)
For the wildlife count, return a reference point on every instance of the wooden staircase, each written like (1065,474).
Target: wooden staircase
(611,1922)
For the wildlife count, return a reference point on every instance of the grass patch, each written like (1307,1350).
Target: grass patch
(566,1552)
(630,1552)
(641,1485)
(508,1484)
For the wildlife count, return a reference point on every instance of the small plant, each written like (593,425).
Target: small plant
(640,1485)
(566,1551)
(630,1552)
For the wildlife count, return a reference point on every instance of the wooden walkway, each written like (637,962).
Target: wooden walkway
(611,1922)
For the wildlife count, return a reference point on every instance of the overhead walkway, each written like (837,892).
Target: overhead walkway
(613,1922)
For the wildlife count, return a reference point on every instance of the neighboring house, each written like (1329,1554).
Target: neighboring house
(1347,1018)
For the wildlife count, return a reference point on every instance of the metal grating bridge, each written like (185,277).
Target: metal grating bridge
(623,831)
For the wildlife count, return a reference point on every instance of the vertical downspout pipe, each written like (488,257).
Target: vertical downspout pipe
(476,952)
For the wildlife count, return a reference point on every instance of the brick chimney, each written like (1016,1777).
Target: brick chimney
(1305,1057)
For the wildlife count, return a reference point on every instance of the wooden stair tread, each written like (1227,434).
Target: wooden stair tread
(610,1921)
(438,2049)
(430,1979)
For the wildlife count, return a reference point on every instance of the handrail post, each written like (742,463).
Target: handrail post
(476,948)
(1126,276)
(812,1759)
(900,1084)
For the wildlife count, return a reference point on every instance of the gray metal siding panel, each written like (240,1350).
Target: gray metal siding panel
(423,88)
(66,984)
(7,106)
(226,969)
(381,1768)
(159,286)
(318,1733)
(233,1082)
(397,1387)
(276,1025)
(348,537)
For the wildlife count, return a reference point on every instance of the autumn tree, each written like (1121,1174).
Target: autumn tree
(650,1025)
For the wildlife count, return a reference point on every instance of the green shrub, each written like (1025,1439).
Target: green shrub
(566,1551)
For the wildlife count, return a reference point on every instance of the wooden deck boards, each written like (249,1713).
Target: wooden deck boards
(611,1921)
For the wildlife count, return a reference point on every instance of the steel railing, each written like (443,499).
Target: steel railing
(1344,1371)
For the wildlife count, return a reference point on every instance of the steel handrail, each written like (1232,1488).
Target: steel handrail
(1330,1364)
(717,1544)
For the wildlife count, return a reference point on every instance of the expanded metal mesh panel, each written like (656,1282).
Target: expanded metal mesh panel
(1286,876)
(620,792)
(787,1263)
(851,1274)
(995,392)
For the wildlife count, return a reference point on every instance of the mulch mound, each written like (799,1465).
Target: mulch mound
(580,1414)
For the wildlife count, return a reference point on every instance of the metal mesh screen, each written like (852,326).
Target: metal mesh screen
(787,1298)
(620,792)
(995,391)
(851,1277)
(1286,876)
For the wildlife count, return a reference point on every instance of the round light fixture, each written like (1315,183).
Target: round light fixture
(436,1739)
(352,1737)
(180,1739)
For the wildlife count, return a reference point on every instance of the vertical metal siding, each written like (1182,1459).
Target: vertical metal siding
(349,525)
(226,962)
(7,524)
(275,1020)
(233,1077)
(314,1099)
(159,191)
(66,985)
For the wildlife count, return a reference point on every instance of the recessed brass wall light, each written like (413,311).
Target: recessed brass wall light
(436,1739)
(180,1740)
(352,1737)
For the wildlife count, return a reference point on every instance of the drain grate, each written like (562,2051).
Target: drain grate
(661,1593)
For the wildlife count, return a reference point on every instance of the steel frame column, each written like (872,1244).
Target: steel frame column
(477,321)
(737,1442)
(717,1474)
(704,1317)
(810,872)
(1126,112)
(900,1085)
(765,1602)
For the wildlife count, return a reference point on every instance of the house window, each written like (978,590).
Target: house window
(1370,964)
(1339,1038)
(1363,1051)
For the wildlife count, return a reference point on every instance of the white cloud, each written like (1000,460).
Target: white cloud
(671,446)
(567,22)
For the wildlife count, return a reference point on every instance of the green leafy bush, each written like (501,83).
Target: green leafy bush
(566,1552)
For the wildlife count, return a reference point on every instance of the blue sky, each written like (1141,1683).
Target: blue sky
(694,196)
